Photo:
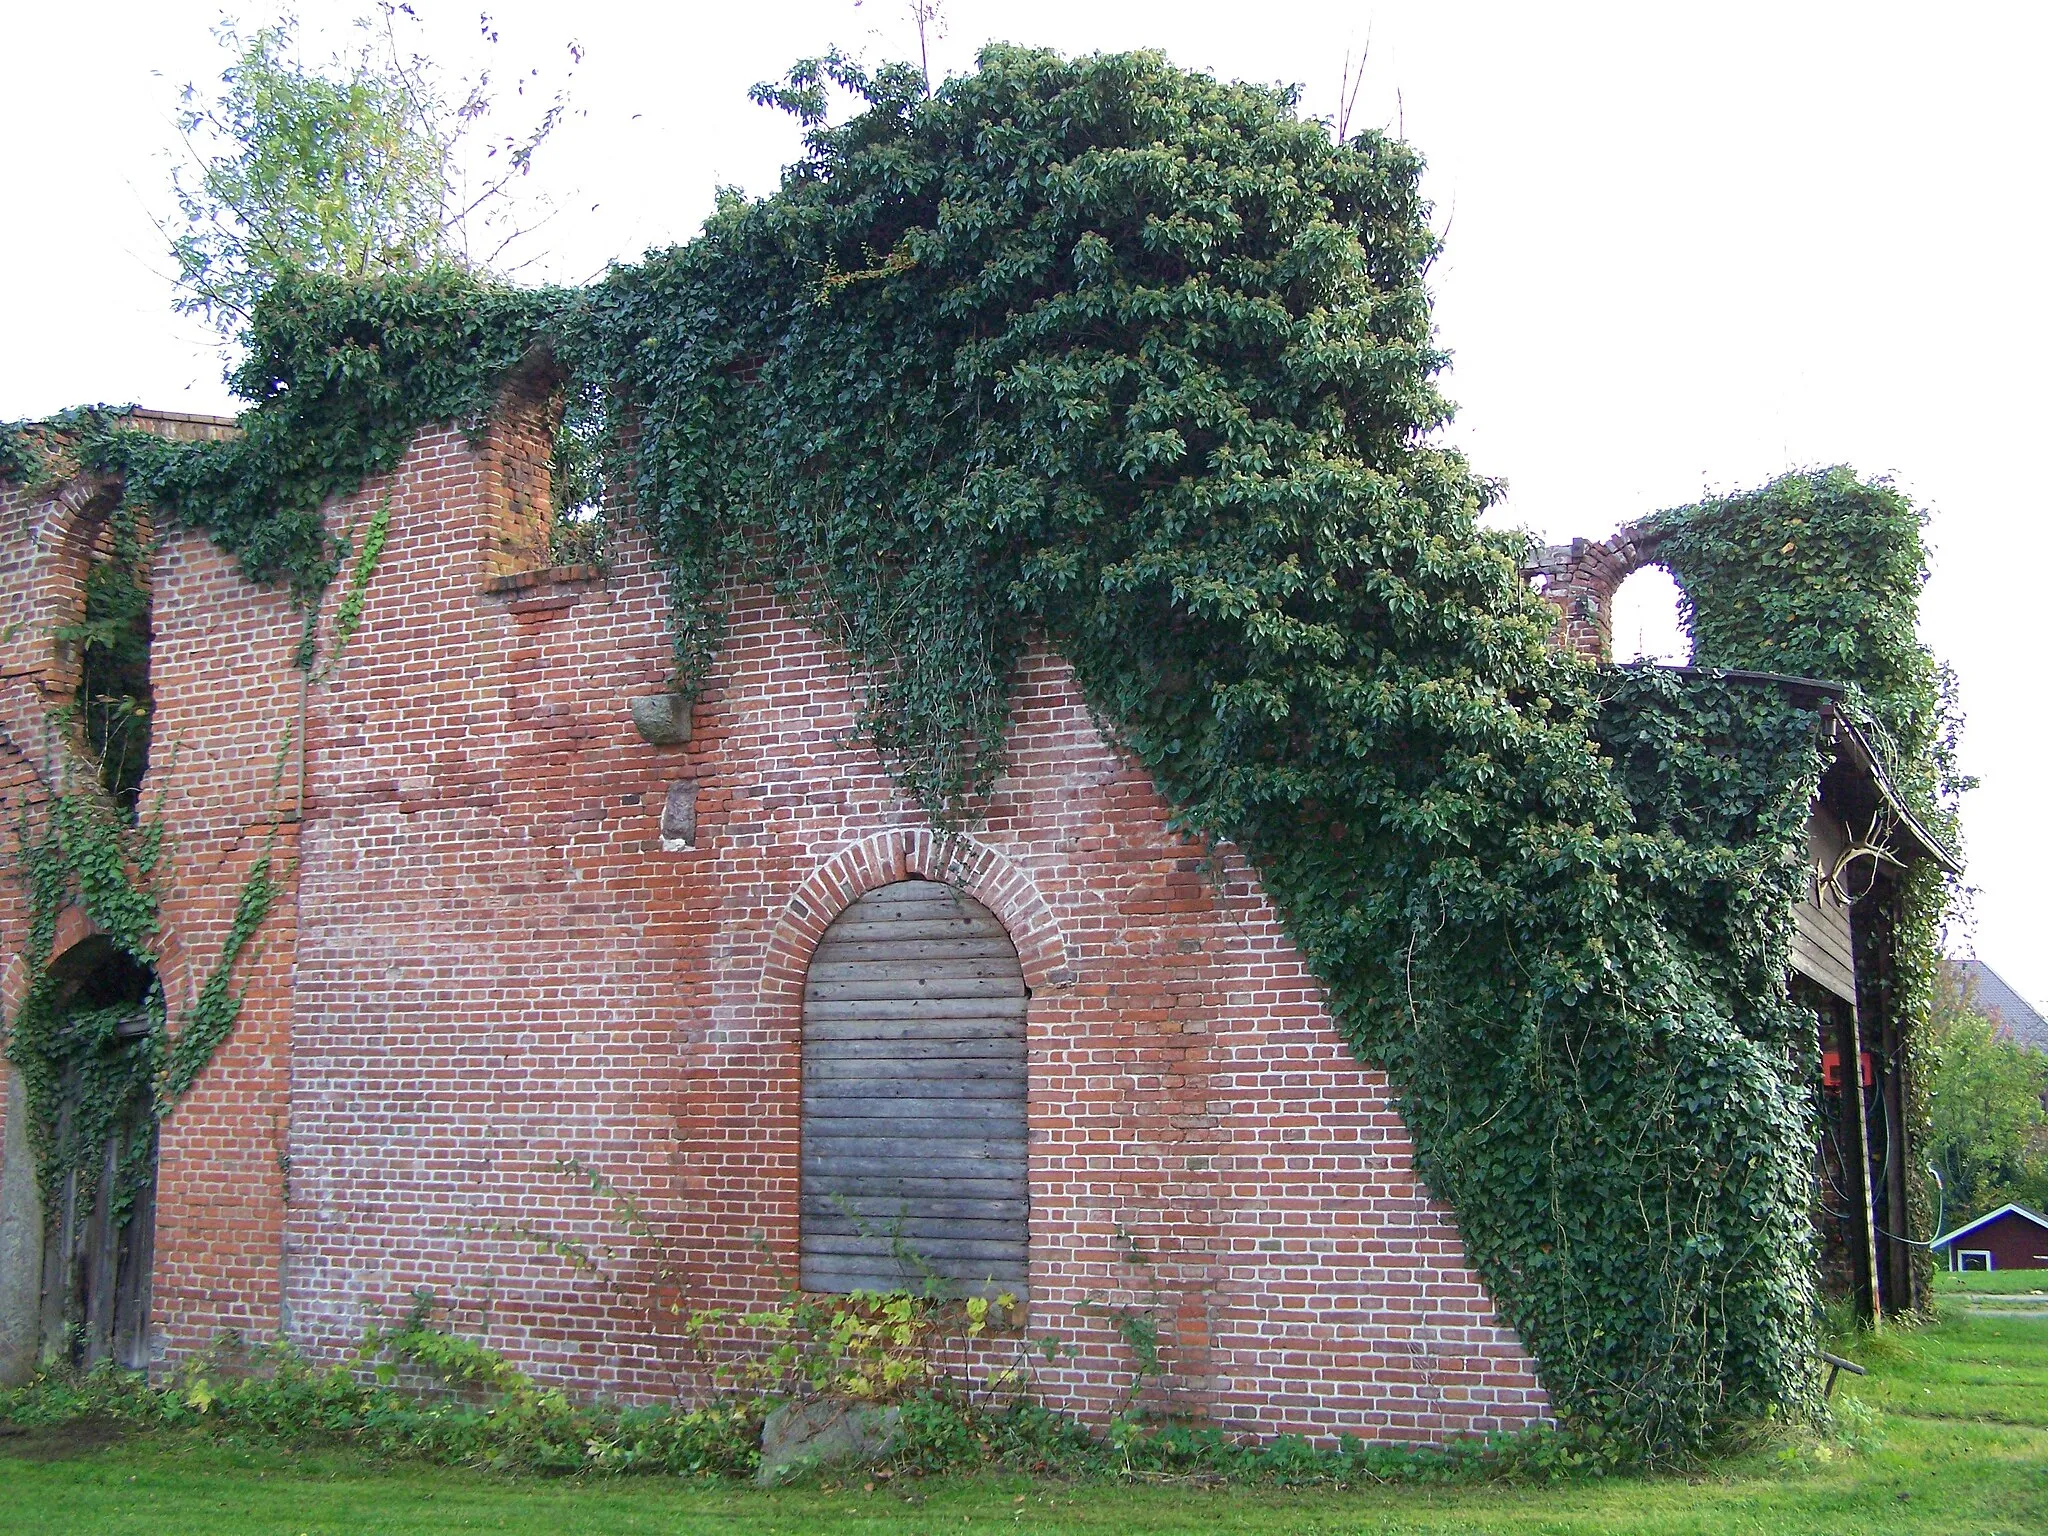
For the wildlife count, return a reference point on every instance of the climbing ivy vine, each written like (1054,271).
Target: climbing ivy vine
(80,851)
(1819,574)
(1140,361)
(341,377)
(88,1071)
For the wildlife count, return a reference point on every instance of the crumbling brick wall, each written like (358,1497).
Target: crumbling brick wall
(1581,578)
(499,969)
(225,704)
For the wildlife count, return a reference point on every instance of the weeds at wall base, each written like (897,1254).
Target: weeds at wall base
(419,1393)
(478,1411)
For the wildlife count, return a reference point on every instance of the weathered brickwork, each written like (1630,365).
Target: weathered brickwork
(494,978)
(227,698)
(223,754)
(517,460)
(1581,578)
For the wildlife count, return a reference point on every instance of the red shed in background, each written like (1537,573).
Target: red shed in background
(2011,1237)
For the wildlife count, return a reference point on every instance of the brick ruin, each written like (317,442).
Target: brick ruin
(1581,578)
(545,917)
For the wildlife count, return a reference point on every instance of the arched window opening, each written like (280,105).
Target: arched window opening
(101,1217)
(1648,617)
(915,1174)
(111,641)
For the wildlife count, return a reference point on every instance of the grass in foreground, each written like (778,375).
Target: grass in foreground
(1949,1433)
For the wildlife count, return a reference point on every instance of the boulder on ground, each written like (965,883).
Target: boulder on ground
(822,1432)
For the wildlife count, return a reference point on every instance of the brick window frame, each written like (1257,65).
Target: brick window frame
(73,530)
(71,533)
(517,462)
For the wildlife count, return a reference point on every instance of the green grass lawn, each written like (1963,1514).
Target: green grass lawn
(1997,1282)
(1948,1433)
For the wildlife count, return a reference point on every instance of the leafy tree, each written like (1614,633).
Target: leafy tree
(368,165)
(1989,1132)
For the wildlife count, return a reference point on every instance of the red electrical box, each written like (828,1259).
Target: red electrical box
(1831,1069)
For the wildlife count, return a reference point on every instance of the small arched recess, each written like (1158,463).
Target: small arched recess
(99,1234)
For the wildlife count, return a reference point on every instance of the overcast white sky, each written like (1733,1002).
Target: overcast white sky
(1689,247)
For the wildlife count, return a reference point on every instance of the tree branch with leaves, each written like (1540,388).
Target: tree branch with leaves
(371,164)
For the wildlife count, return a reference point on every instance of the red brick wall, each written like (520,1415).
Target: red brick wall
(219,663)
(222,754)
(498,967)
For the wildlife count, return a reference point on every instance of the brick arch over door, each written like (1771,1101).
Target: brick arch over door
(963,862)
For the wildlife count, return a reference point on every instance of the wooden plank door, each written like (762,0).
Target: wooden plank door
(915,1173)
(99,1244)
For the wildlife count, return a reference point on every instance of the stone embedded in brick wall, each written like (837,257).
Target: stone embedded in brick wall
(679,818)
(662,719)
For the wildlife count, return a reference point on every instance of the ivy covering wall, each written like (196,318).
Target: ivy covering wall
(88,1071)
(1819,574)
(1143,361)
(1140,361)
(74,1048)
(340,378)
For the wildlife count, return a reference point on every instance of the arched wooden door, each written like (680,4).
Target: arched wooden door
(914,1163)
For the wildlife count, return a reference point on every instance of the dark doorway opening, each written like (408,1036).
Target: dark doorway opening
(100,1218)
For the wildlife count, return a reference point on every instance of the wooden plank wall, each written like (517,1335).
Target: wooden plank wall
(914,1098)
(1821,947)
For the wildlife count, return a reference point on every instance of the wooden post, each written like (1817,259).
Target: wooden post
(1888,1025)
(1855,1129)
